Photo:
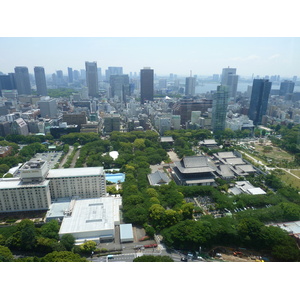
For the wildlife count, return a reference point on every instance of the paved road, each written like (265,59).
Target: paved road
(75,158)
(66,157)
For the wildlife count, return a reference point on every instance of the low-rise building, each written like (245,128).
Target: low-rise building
(194,170)
(92,219)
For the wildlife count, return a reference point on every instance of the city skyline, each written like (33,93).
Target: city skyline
(178,55)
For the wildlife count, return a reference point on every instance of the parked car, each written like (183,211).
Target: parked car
(150,246)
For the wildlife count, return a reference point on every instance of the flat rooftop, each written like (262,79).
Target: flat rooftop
(75,172)
(290,227)
(90,215)
(58,208)
(12,183)
(33,164)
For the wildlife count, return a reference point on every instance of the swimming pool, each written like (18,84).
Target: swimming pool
(115,177)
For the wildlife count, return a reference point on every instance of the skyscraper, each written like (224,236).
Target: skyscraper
(92,78)
(190,86)
(40,81)
(286,87)
(219,108)
(259,100)
(22,81)
(119,86)
(7,82)
(147,84)
(230,79)
(70,75)
(113,71)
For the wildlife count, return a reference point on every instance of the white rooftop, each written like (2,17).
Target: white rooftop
(256,191)
(92,215)
(74,172)
(12,183)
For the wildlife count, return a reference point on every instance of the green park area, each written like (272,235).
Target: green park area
(273,152)
(289,179)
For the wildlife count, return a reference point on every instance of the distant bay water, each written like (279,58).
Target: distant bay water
(242,87)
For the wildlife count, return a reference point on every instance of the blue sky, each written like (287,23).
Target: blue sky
(178,55)
(169,36)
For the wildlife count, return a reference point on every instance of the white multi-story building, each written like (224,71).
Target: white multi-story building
(28,192)
(37,186)
(82,182)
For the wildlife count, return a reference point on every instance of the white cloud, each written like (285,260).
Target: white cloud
(247,58)
(274,56)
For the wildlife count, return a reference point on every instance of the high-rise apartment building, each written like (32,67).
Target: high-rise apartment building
(147,84)
(230,79)
(219,108)
(92,78)
(190,86)
(40,81)
(259,100)
(22,81)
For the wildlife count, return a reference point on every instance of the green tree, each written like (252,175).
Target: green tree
(139,144)
(63,256)
(5,254)
(68,241)
(50,230)
(152,258)
(88,246)
(27,234)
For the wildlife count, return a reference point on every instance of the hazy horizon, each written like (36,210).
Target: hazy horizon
(204,56)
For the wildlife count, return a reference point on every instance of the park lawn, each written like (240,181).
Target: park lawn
(276,153)
(289,179)
(296,172)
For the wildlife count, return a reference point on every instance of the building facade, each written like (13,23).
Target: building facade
(219,108)
(259,100)
(40,81)
(190,86)
(37,186)
(147,84)
(230,79)
(119,86)
(22,81)
(48,107)
(92,78)
(81,182)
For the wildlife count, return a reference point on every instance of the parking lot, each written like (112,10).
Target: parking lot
(52,157)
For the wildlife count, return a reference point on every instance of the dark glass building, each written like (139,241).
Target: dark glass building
(7,82)
(92,78)
(147,85)
(286,87)
(259,100)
